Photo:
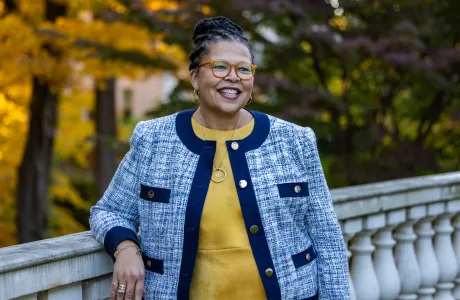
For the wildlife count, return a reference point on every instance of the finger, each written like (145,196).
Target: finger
(113,289)
(139,292)
(121,292)
(129,295)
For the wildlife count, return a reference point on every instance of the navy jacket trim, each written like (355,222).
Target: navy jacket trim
(188,137)
(153,264)
(193,213)
(115,236)
(300,259)
(258,135)
(251,215)
(289,189)
(154,194)
(199,190)
(185,131)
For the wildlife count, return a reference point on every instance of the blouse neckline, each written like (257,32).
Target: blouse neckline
(254,140)
(205,133)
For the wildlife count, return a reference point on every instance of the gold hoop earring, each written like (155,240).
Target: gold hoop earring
(196,94)
(250,100)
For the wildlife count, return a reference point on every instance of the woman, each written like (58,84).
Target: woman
(230,203)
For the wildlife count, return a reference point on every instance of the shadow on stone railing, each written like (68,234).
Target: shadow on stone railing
(395,251)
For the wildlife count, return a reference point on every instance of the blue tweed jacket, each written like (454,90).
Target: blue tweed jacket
(161,185)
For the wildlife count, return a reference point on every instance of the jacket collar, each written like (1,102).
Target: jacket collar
(188,137)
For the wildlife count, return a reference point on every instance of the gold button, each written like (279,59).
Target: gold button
(269,272)
(307,257)
(243,184)
(150,194)
(254,229)
(235,146)
(297,189)
(149,263)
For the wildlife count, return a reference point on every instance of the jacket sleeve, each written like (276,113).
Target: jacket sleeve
(115,217)
(324,227)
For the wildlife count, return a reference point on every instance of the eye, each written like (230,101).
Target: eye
(245,69)
(220,67)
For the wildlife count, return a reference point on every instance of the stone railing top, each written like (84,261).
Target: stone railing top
(361,200)
(41,252)
(394,186)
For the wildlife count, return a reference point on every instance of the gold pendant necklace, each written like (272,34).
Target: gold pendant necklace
(218,174)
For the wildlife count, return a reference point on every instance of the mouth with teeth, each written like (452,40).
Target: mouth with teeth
(229,93)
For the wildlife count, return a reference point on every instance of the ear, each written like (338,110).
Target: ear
(194,78)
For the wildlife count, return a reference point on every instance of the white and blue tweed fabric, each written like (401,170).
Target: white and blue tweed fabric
(161,185)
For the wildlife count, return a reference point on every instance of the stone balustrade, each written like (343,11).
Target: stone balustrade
(403,239)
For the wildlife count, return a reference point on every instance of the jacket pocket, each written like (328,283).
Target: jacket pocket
(155,194)
(315,297)
(153,264)
(304,257)
(293,189)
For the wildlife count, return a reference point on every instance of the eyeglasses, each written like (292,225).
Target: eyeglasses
(221,69)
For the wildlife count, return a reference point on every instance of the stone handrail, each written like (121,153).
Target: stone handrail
(367,199)
(74,266)
(375,218)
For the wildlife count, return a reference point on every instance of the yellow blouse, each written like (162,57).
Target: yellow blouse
(225,267)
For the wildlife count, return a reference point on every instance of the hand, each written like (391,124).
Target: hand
(128,271)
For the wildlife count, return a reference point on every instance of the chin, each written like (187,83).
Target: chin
(229,108)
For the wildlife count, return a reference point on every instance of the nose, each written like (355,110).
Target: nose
(232,75)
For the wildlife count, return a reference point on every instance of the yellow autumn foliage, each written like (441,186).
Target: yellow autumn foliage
(75,128)
(335,85)
(23,57)
(13,126)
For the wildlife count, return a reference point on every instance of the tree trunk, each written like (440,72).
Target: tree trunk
(10,5)
(106,135)
(34,171)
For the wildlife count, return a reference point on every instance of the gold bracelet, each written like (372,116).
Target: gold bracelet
(138,252)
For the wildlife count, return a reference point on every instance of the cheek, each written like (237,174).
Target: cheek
(210,82)
(248,86)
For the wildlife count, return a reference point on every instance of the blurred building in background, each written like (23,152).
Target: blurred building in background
(136,98)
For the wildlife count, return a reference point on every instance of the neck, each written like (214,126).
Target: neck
(222,121)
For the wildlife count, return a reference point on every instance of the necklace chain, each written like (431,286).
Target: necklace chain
(226,150)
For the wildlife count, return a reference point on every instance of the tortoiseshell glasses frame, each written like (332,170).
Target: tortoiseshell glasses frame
(222,68)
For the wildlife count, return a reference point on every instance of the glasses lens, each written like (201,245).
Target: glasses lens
(221,68)
(245,71)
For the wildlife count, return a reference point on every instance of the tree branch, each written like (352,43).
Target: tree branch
(431,116)
(317,68)
(105,52)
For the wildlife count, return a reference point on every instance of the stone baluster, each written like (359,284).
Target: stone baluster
(362,269)
(457,255)
(426,256)
(409,271)
(445,254)
(347,237)
(385,265)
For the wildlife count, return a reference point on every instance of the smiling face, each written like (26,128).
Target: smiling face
(223,95)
